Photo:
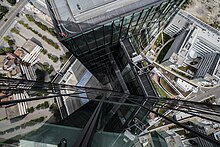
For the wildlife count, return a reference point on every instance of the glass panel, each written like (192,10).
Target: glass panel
(127,19)
(108,33)
(117,25)
(90,40)
(135,18)
(99,36)
(40,125)
(115,37)
(81,43)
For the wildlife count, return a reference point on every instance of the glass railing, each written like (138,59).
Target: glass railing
(109,119)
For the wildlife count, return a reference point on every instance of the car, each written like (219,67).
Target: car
(17,15)
(6,19)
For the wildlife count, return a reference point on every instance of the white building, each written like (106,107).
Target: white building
(184,85)
(196,48)
(29,54)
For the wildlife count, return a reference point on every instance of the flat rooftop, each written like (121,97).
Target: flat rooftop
(29,46)
(81,6)
(77,15)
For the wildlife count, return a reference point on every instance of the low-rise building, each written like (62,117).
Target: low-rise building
(168,139)
(32,52)
(183,85)
(15,110)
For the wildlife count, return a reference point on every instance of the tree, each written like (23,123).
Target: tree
(55,110)
(38,107)
(53,57)
(3,9)
(48,68)
(2,52)
(65,57)
(30,18)
(6,38)
(46,104)
(21,21)
(1,15)
(11,42)
(42,26)
(30,110)
(7,50)
(14,30)
(44,51)
(12,2)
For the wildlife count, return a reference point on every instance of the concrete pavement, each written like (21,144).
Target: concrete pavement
(204,94)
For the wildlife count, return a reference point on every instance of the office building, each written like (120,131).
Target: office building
(92,31)
(105,35)
(195,50)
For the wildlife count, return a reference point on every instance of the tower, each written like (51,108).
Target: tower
(105,35)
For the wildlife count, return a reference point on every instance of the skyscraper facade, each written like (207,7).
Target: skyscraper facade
(106,36)
(92,30)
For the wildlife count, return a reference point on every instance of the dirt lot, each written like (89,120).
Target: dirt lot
(206,10)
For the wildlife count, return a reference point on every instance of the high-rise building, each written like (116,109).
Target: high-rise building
(97,31)
(109,36)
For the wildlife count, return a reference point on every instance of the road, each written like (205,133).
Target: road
(10,16)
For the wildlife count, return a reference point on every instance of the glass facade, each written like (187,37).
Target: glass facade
(104,121)
(93,47)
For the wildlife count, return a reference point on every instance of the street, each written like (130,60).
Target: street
(4,25)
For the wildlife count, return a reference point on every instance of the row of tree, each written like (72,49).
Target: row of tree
(5,50)
(41,25)
(49,41)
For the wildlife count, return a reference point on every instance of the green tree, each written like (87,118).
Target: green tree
(7,50)
(46,104)
(55,110)
(11,42)
(1,15)
(30,18)
(44,51)
(48,68)
(3,9)
(21,21)
(6,38)
(42,26)
(2,52)
(14,30)
(65,57)
(30,110)
(38,107)
(12,2)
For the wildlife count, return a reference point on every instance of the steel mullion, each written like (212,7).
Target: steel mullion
(183,126)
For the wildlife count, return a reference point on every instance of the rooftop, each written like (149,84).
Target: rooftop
(78,16)
(29,46)
(208,64)
(12,111)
